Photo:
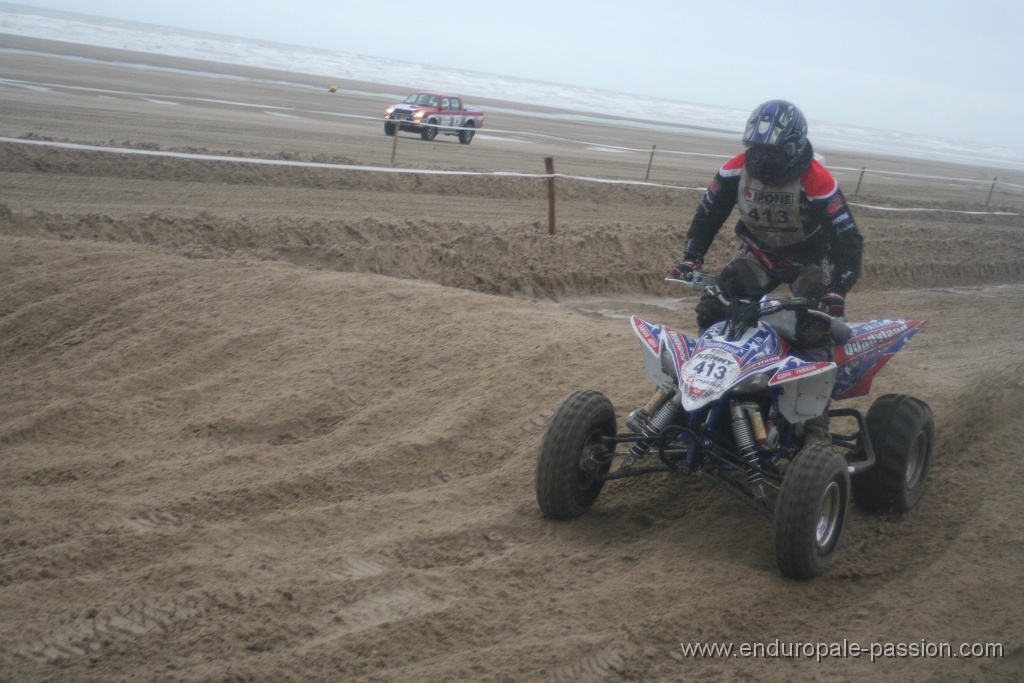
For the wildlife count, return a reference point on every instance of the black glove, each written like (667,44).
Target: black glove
(834,304)
(684,270)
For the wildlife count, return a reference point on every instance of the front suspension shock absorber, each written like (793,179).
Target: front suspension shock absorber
(665,415)
(743,435)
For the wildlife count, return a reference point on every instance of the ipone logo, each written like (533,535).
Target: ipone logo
(755,196)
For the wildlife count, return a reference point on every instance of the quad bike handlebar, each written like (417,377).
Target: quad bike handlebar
(745,312)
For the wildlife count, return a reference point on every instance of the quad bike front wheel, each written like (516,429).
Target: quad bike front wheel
(573,455)
(810,511)
(902,433)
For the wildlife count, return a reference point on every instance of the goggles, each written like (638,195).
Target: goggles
(771,154)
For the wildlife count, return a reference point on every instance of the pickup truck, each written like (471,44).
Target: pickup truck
(430,113)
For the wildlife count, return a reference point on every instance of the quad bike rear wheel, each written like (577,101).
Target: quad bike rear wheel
(810,511)
(573,455)
(902,433)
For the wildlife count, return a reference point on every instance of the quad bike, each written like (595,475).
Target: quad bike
(731,407)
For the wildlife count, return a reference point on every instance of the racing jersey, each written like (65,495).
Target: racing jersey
(798,222)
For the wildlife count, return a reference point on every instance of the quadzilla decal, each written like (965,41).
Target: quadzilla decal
(759,365)
(731,349)
(889,335)
(867,352)
(860,342)
(680,345)
(854,376)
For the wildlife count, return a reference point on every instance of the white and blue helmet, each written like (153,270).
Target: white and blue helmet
(776,142)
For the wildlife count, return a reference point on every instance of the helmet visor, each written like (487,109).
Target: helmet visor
(770,154)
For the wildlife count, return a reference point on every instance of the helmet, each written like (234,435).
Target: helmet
(776,142)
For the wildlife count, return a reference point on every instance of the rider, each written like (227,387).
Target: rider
(795,225)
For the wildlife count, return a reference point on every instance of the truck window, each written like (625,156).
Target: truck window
(444,104)
(456,104)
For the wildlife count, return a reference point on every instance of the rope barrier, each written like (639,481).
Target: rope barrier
(411,171)
(489,131)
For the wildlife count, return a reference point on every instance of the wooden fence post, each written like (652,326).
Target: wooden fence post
(549,168)
(649,163)
(394,145)
(857,191)
(991,190)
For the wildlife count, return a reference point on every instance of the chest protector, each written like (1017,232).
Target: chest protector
(772,212)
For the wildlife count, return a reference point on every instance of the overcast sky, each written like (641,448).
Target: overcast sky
(951,69)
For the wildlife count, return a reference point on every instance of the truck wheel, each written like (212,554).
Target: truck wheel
(429,132)
(573,454)
(389,129)
(902,433)
(466,135)
(810,511)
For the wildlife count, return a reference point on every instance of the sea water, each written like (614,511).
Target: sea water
(396,77)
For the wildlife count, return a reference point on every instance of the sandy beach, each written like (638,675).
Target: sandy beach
(279,422)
